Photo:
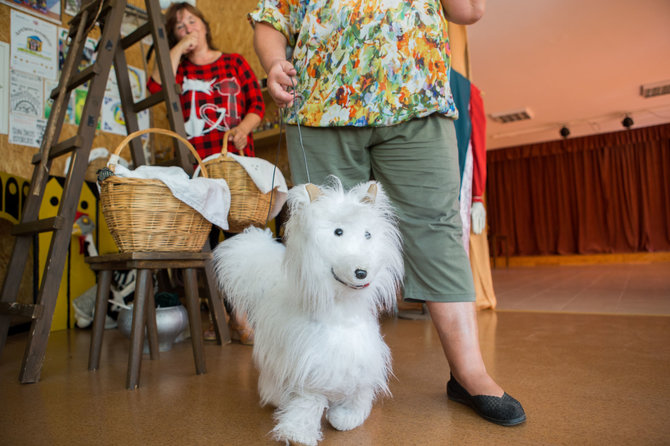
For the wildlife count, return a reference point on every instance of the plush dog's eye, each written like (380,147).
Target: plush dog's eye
(339,232)
(368,235)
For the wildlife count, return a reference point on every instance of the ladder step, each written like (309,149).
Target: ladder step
(62,148)
(83,76)
(149,102)
(140,33)
(34,227)
(31,311)
(78,79)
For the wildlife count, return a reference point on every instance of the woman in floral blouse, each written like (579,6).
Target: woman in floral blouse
(367,94)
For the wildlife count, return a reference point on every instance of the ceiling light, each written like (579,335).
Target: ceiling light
(627,122)
(565,132)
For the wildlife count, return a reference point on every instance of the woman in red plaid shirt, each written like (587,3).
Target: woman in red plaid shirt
(219,91)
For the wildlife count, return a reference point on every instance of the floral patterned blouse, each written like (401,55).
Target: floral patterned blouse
(364,62)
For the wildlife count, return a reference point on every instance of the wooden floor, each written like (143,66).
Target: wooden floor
(586,375)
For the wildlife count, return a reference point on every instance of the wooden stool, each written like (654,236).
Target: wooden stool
(144,311)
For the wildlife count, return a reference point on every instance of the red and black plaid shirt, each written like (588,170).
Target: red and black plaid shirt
(214,99)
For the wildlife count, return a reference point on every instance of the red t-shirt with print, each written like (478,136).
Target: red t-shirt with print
(214,98)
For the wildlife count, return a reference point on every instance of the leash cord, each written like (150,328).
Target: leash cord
(282,124)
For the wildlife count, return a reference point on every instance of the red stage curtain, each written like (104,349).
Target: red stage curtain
(597,194)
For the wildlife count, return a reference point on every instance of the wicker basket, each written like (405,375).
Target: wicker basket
(248,205)
(143,215)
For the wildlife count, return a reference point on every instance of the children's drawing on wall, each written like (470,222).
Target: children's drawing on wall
(34,46)
(45,9)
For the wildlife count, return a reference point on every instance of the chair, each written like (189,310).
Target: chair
(144,312)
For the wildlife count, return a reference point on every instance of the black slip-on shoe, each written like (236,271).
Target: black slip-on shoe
(503,410)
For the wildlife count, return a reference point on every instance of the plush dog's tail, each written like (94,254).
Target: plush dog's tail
(248,267)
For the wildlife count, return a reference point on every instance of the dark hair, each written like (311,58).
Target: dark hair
(171,22)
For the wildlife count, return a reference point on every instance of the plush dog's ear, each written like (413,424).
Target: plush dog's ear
(313,191)
(371,194)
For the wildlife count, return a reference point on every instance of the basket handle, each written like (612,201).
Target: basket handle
(224,148)
(112,159)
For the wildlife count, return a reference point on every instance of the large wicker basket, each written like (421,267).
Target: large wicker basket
(248,205)
(143,215)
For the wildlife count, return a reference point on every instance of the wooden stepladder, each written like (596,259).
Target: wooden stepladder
(108,15)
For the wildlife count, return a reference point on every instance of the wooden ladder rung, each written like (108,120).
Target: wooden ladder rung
(30,311)
(83,76)
(140,33)
(35,227)
(62,148)
(78,79)
(149,102)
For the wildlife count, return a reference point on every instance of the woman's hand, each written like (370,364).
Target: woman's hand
(238,136)
(188,43)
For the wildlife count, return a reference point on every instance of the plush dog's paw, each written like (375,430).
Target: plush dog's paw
(345,418)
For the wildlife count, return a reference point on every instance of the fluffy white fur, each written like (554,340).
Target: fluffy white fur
(314,303)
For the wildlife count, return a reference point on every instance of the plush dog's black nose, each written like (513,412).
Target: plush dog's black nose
(361,274)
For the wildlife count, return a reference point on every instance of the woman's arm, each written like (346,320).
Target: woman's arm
(463,12)
(240,133)
(184,46)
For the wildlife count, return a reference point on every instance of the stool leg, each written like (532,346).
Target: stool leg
(137,330)
(150,316)
(102,295)
(195,323)
(216,305)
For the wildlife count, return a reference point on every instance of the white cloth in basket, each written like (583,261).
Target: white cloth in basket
(209,196)
(264,176)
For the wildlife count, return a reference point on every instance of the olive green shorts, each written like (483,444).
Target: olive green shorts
(417,164)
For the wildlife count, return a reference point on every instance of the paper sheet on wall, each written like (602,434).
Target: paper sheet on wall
(26,130)
(4,88)
(113,120)
(34,45)
(26,94)
(137,83)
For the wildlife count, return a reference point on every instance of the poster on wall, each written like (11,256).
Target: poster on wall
(26,94)
(26,130)
(34,47)
(112,114)
(46,9)
(112,119)
(26,108)
(4,88)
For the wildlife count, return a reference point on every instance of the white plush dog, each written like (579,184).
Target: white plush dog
(314,302)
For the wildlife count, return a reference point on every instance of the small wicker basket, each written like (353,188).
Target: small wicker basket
(143,215)
(248,205)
